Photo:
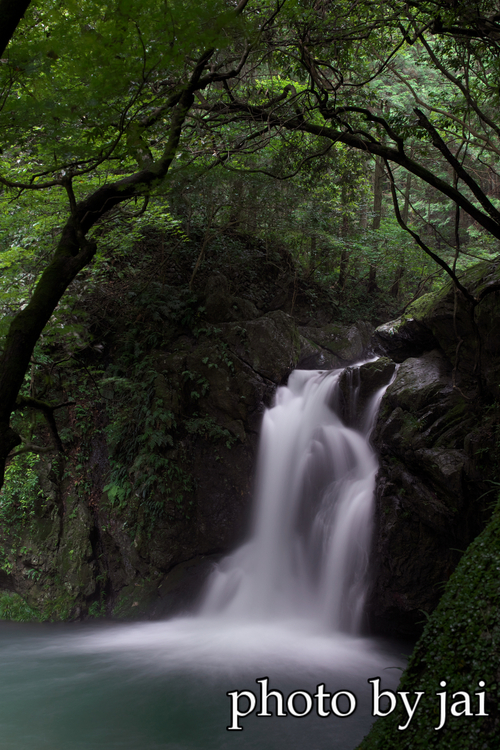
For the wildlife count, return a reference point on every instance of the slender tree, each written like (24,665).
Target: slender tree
(156,104)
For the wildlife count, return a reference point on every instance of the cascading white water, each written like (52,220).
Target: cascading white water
(308,553)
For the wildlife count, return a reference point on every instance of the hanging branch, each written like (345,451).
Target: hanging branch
(473,301)
(461,173)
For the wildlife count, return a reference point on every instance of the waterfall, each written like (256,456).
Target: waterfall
(286,607)
(307,556)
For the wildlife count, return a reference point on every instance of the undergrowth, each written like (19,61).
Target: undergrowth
(17,505)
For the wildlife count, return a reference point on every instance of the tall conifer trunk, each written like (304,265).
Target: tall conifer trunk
(377,216)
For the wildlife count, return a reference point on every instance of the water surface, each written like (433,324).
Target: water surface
(162,686)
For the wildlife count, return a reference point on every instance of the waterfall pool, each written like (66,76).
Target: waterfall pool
(163,685)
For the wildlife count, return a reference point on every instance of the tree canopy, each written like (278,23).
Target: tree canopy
(123,106)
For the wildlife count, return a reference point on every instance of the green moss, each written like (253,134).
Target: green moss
(13,607)
(480,275)
(97,610)
(134,601)
(461,645)
(410,425)
(421,307)
(18,499)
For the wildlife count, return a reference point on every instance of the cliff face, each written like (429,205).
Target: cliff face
(444,464)
(460,645)
(439,443)
(160,437)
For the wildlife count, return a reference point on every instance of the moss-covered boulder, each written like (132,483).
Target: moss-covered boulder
(270,345)
(429,492)
(158,472)
(437,435)
(459,652)
(469,335)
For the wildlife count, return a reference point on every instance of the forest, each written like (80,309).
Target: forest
(196,198)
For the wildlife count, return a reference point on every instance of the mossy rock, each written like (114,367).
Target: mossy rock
(460,645)
(348,343)
(270,345)
(14,608)
(445,320)
(135,600)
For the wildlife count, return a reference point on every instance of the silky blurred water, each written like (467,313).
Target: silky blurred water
(152,686)
(287,606)
(309,550)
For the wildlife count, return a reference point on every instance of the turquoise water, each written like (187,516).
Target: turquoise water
(162,686)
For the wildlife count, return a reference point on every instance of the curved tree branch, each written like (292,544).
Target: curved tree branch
(369,145)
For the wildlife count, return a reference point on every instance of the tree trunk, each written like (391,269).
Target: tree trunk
(28,324)
(11,12)
(377,215)
(397,279)
(344,255)
(73,253)
(312,255)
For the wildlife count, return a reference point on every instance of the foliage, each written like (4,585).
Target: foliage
(17,504)
(147,418)
(140,431)
(257,117)
(13,607)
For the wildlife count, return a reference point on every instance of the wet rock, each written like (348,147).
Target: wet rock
(359,385)
(403,338)
(270,345)
(181,590)
(420,381)
(348,343)
(314,357)
(457,643)
(469,339)
(427,497)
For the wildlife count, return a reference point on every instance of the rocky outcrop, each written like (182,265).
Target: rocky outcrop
(209,393)
(340,343)
(359,386)
(469,338)
(433,493)
(161,445)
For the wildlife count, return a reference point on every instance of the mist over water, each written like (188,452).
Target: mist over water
(287,605)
